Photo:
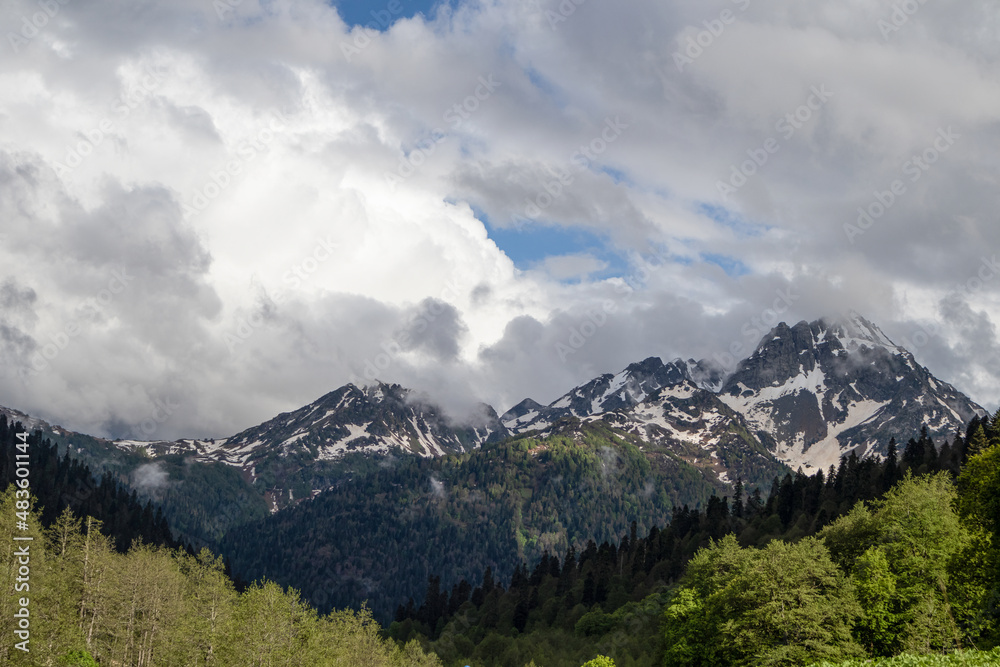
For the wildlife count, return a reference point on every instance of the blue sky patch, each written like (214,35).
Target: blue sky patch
(733,267)
(379,14)
(530,243)
(547,87)
(617,175)
(728,218)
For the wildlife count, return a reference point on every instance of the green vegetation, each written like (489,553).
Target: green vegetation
(875,583)
(956,659)
(785,604)
(871,559)
(380,535)
(62,481)
(200,500)
(891,562)
(90,605)
(205,500)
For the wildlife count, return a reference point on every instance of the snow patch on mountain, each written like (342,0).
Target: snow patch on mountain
(821,455)
(809,392)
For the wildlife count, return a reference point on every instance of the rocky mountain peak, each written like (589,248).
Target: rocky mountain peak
(820,389)
(605,393)
(853,330)
(812,392)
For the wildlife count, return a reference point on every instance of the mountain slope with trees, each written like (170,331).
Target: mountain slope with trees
(61,482)
(119,590)
(379,536)
(91,605)
(872,558)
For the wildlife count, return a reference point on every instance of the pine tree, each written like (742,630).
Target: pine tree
(738,498)
(994,431)
(977,444)
(890,469)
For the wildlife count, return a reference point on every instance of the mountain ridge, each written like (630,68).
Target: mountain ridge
(792,391)
(808,394)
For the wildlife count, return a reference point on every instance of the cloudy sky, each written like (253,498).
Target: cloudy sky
(212,211)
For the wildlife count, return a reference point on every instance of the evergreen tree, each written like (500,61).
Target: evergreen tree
(977,443)
(738,498)
(890,473)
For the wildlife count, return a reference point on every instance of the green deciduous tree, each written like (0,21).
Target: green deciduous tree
(785,604)
(919,533)
(600,661)
(268,627)
(978,505)
(875,586)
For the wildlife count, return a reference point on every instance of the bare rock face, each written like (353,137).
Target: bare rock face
(809,393)
(818,390)
(376,418)
(670,408)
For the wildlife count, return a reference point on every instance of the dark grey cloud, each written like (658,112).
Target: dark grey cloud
(436,329)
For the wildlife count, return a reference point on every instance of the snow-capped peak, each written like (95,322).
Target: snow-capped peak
(853,331)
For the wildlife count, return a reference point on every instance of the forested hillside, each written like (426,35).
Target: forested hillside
(870,559)
(201,501)
(59,482)
(379,536)
(160,606)
(122,591)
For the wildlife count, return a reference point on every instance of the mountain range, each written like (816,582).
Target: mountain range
(395,484)
(810,393)
(807,395)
